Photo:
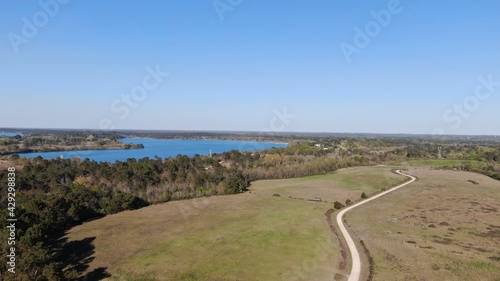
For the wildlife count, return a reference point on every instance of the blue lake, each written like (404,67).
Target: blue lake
(160,148)
(9,134)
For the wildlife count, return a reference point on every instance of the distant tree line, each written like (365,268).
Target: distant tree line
(62,142)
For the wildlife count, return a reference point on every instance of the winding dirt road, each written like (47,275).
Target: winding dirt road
(356,262)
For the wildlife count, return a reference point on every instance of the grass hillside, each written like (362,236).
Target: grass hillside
(251,236)
(447,228)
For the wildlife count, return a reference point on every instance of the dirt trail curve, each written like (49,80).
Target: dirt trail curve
(356,262)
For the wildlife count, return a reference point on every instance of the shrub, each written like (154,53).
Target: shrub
(348,202)
(337,205)
(363,196)
(276,195)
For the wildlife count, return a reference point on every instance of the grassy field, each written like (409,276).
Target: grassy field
(339,186)
(251,236)
(443,163)
(447,228)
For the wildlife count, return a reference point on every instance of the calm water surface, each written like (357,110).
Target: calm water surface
(160,148)
(9,134)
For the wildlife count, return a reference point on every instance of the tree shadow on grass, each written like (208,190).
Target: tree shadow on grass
(75,257)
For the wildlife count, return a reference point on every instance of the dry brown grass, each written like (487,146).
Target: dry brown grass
(448,228)
(4,164)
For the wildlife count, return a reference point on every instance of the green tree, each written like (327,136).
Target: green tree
(337,205)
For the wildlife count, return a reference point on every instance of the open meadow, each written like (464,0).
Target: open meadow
(445,226)
(338,186)
(250,236)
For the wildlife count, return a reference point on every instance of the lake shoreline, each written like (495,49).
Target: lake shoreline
(163,148)
(72,149)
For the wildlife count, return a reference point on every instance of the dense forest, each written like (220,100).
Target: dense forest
(53,195)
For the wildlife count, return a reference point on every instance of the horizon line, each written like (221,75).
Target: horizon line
(250,131)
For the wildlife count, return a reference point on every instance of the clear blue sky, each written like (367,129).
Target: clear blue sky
(234,72)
